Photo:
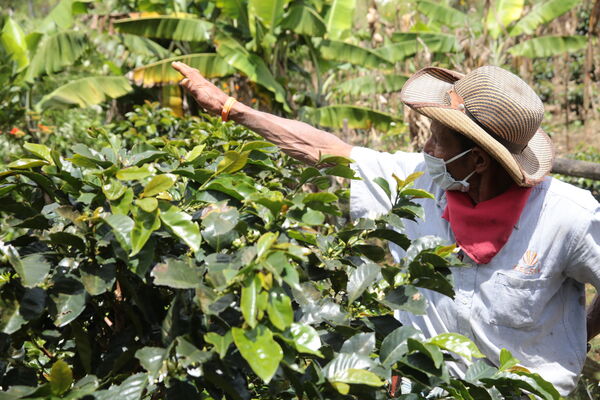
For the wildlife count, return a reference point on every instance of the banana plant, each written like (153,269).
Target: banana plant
(266,43)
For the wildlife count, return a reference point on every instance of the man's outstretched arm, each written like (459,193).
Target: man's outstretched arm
(297,139)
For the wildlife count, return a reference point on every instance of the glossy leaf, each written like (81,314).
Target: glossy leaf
(258,348)
(68,306)
(221,343)
(458,344)
(153,360)
(177,274)
(133,173)
(360,279)
(249,300)
(149,204)
(232,161)
(12,39)
(143,225)
(61,377)
(280,310)
(39,150)
(395,346)
(362,344)
(158,184)
(306,339)
(32,269)
(181,224)
(26,163)
(304,20)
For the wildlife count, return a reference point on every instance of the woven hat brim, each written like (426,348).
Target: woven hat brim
(426,93)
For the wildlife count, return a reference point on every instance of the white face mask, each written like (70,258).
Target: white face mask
(437,169)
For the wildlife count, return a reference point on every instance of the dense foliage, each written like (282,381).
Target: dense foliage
(185,258)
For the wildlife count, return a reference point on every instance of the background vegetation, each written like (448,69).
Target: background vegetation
(79,196)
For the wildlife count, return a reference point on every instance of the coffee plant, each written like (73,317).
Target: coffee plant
(189,259)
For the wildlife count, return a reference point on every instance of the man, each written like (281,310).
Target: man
(530,242)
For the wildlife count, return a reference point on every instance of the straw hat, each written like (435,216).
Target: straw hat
(494,108)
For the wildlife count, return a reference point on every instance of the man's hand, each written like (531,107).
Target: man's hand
(208,96)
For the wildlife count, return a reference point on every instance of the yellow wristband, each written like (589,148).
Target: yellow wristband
(227,108)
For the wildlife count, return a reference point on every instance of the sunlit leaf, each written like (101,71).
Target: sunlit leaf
(180,27)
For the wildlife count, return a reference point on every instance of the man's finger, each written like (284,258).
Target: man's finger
(182,68)
(184,82)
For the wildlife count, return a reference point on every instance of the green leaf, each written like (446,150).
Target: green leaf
(26,163)
(6,188)
(362,344)
(264,243)
(219,227)
(130,389)
(356,55)
(177,274)
(32,269)
(122,227)
(417,193)
(232,161)
(259,349)
(39,150)
(189,355)
(320,197)
(61,15)
(248,301)
(395,346)
(98,279)
(548,46)
(507,360)
(406,298)
(269,12)
(158,184)
(502,14)
(175,27)
(149,204)
(428,349)
(12,39)
(68,306)
(210,65)
(306,339)
(304,20)
(357,377)
(114,189)
(85,92)
(133,173)
(195,152)
(143,46)
(442,14)
(143,226)
(354,117)
(371,84)
(61,377)
(153,360)
(407,44)
(280,310)
(360,279)
(541,13)
(339,18)
(182,225)
(252,66)
(458,344)
(56,52)
(221,343)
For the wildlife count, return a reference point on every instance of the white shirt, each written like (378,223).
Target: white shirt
(530,298)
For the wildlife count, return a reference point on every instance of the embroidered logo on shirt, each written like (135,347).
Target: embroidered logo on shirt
(529,263)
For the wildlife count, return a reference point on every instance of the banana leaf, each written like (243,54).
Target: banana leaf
(339,19)
(175,27)
(548,46)
(61,16)
(408,44)
(542,13)
(269,12)
(171,97)
(56,52)
(304,20)
(372,84)
(442,14)
(210,65)
(12,39)
(143,46)
(354,117)
(251,65)
(346,52)
(85,92)
(502,14)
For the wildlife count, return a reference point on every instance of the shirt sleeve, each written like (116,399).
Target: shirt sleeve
(585,251)
(367,199)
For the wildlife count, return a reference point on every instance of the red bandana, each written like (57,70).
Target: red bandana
(481,230)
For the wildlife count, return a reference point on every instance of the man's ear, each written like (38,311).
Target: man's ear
(481,159)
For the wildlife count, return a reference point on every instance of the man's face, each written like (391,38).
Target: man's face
(444,144)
